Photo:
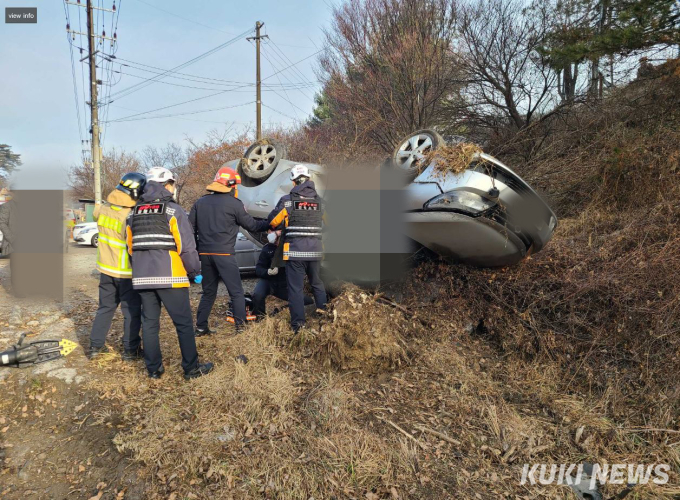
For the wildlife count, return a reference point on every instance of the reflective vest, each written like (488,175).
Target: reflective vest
(150,227)
(302,238)
(112,256)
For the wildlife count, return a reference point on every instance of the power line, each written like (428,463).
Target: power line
(186,76)
(73,74)
(215,81)
(285,58)
(192,86)
(134,88)
(184,18)
(181,114)
(281,113)
(287,98)
(284,76)
(209,95)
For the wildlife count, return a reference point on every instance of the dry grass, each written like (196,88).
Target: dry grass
(571,356)
(453,159)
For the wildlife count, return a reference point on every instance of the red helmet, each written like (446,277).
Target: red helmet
(227,176)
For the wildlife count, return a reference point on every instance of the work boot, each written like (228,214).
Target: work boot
(96,351)
(133,354)
(297,328)
(158,373)
(201,332)
(199,371)
(239,328)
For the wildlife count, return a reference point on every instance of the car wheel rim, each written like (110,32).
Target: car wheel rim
(413,150)
(261,157)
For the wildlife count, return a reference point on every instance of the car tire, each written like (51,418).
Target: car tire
(95,241)
(414,147)
(261,159)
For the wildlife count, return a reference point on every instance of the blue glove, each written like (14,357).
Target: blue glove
(198,279)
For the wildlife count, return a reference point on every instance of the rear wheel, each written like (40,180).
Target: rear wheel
(95,241)
(261,159)
(410,152)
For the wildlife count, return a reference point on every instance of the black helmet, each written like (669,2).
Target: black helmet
(132,184)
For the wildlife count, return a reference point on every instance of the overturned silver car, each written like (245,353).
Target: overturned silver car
(484,216)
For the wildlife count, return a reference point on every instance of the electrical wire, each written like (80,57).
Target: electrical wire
(206,96)
(73,74)
(266,89)
(281,113)
(194,78)
(134,88)
(183,114)
(185,18)
(287,98)
(265,53)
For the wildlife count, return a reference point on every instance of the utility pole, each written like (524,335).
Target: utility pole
(258,99)
(94,104)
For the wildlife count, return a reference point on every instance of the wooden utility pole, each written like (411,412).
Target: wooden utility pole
(92,36)
(258,99)
(94,103)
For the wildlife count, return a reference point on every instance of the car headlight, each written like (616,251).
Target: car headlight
(88,230)
(459,201)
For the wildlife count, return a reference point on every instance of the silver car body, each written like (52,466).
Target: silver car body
(520,222)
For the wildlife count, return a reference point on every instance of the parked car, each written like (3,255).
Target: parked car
(86,233)
(485,216)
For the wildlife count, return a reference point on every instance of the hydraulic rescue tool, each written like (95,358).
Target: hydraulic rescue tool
(22,355)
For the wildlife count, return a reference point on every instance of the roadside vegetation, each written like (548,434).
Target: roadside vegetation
(443,386)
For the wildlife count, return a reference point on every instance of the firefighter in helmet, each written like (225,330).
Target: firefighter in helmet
(302,213)
(164,260)
(113,262)
(216,219)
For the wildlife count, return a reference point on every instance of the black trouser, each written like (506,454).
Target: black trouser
(176,302)
(295,277)
(214,267)
(114,291)
(265,288)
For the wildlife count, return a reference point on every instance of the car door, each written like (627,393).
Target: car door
(246,253)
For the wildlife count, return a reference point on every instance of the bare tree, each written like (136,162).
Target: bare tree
(115,163)
(509,82)
(171,156)
(389,68)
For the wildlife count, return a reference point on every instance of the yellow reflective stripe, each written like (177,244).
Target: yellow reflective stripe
(110,223)
(113,242)
(124,259)
(114,269)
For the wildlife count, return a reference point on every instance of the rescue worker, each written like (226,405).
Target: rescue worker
(216,218)
(113,262)
(302,213)
(272,278)
(161,243)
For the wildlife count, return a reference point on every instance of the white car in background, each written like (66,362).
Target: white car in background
(86,233)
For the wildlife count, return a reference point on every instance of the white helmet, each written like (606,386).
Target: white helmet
(160,174)
(299,171)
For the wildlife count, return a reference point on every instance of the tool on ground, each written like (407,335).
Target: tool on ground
(249,307)
(22,355)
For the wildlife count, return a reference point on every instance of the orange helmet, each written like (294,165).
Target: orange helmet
(227,176)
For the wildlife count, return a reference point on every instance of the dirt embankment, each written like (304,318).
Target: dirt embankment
(442,387)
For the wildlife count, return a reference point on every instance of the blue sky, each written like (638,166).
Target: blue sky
(37,108)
